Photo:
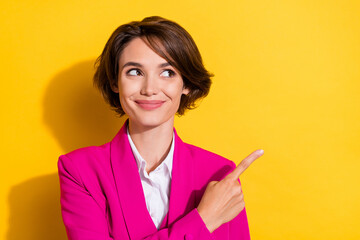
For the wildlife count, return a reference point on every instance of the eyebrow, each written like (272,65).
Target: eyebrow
(140,65)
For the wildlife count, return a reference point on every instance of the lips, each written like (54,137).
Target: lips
(149,104)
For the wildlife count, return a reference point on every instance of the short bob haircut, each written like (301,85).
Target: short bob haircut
(170,41)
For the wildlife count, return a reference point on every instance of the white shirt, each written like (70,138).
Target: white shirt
(156,185)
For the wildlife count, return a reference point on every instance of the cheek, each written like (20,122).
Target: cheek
(126,88)
(175,90)
(126,92)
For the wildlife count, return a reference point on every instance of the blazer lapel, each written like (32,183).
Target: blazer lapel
(130,192)
(129,188)
(182,197)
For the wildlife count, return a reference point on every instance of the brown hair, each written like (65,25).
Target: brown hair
(170,41)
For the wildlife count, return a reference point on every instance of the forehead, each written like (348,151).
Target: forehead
(137,50)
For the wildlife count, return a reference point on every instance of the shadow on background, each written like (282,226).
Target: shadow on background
(35,211)
(75,111)
(77,115)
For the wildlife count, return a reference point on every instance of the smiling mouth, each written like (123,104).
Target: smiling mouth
(149,104)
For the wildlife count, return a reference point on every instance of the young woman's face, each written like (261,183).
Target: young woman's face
(149,88)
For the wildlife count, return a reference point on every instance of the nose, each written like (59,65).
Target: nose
(149,86)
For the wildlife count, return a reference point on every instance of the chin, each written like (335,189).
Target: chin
(151,120)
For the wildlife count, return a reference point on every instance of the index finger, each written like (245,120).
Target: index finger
(245,163)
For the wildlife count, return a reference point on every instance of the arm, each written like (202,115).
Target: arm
(82,216)
(189,227)
(85,219)
(239,228)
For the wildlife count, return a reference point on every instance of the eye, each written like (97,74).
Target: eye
(168,73)
(133,72)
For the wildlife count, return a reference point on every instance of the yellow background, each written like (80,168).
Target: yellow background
(286,80)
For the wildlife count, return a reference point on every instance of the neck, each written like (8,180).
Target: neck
(153,143)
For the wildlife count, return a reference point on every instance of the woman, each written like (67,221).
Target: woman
(146,183)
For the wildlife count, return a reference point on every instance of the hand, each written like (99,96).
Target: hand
(223,200)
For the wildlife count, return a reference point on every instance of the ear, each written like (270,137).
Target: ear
(115,88)
(185,91)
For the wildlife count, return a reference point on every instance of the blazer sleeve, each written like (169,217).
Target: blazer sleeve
(85,219)
(239,228)
(82,216)
(189,227)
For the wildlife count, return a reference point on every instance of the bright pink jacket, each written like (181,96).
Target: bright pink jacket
(102,195)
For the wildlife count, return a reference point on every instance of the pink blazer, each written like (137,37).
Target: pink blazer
(102,195)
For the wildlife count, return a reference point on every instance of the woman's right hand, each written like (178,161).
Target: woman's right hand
(223,200)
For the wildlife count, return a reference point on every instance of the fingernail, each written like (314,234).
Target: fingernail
(261,151)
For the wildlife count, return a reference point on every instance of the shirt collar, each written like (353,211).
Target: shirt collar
(141,163)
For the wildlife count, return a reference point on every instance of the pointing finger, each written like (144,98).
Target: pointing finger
(245,163)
